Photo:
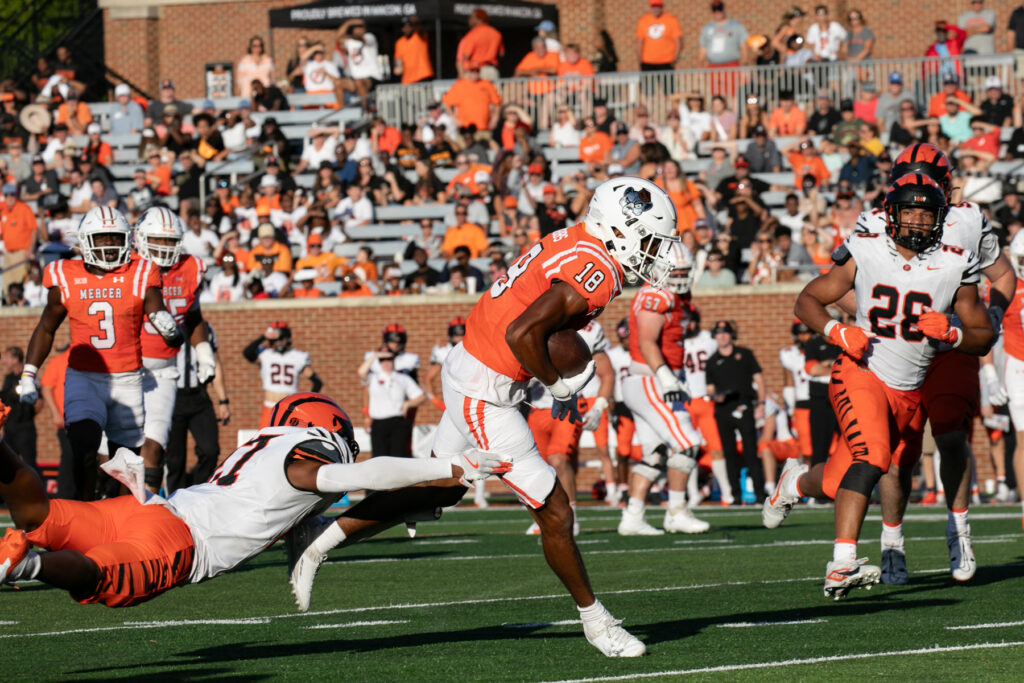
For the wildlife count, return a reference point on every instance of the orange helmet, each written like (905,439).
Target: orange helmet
(396,333)
(314,410)
(922,157)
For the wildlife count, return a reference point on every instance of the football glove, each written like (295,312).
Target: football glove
(478,465)
(206,364)
(936,326)
(167,328)
(569,408)
(28,392)
(852,340)
(993,386)
(564,387)
(592,420)
(673,389)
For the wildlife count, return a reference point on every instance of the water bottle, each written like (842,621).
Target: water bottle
(748,487)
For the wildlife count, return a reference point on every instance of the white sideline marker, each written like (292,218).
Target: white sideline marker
(794,662)
(8,623)
(991,625)
(750,624)
(354,624)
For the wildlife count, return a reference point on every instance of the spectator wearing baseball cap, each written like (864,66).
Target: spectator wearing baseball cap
(549,32)
(98,152)
(887,111)
(804,159)
(412,53)
(825,116)
(997,107)
(323,263)
(659,38)
(761,154)
(625,150)
(269,247)
(475,101)
(155,110)
(865,107)
(949,40)
(722,40)
(18,230)
(73,113)
(42,181)
(595,145)
(127,117)
(849,125)
(726,189)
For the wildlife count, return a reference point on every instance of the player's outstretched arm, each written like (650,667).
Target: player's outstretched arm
(386,473)
(527,335)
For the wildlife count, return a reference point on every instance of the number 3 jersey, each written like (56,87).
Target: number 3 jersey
(249,502)
(570,256)
(892,293)
(105,312)
(280,371)
(180,289)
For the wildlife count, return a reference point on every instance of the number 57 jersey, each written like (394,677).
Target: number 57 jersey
(570,256)
(892,293)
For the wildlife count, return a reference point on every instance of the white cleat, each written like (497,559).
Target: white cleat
(534,530)
(894,564)
(777,506)
(841,577)
(682,520)
(611,639)
(1003,493)
(961,554)
(304,559)
(636,525)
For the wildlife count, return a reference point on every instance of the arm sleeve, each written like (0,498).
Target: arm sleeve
(252,350)
(381,474)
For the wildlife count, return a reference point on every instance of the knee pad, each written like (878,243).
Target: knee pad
(861,478)
(86,435)
(646,471)
(684,461)
(653,457)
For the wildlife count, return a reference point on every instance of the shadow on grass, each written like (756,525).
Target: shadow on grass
(195,672)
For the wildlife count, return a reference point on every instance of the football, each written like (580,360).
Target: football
(569,353)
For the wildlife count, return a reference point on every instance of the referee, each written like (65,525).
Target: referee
(819,355)
(194,412)
(391,398)
(737,387)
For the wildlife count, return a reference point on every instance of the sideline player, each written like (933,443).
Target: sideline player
(394,338)
(158,236)
(622,418)
(558,440)
(906,283)
(281,366)
(950,393)
(106,295)
(698,347)
(792,360)
(655,384)
(562,282)
(1013,353)
(121,552)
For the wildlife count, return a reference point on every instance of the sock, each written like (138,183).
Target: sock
(635,506)
(479,489)
(27,569)
(790,487)
(892,534)
(693,489)
(676,499)
(610,487)
(329,538)
(958,518)
(844,550)
(572,506)
(722,477)
(592,613)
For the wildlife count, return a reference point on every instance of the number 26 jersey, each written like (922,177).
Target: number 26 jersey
(892,293)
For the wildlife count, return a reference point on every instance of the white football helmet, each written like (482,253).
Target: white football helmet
(636,222)
(159,223)
(103,220)
(1017,254)
(680,277)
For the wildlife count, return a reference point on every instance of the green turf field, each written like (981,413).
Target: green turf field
(472,599)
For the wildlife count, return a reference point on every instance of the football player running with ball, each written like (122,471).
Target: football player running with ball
(950,393)
(562,282)
(906,283)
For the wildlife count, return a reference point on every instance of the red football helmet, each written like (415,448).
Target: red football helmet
(922,157)
(314,410)
(457,327)
(395,333)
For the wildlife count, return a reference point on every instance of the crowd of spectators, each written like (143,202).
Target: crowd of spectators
(297,226)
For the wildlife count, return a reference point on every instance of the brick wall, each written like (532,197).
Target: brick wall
(337,333)
(178,39)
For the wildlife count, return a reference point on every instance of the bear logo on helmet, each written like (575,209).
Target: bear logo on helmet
(635,202)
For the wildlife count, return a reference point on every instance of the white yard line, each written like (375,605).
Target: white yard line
(795,662)
(971,627)
(750,624)
(354,624)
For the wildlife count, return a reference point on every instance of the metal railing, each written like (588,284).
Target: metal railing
(922,78)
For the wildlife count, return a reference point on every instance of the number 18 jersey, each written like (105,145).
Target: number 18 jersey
(892,293)
(570,256)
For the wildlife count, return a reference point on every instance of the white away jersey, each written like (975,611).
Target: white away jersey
(892,292)
(540,397)
(280,371)
(965,227)
(620,360)
(792,358)
(248,502)
(440,352)
(697,349)
(772,410)
(406,362)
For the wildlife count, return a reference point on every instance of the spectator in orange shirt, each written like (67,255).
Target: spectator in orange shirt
(306,289)
(805,161)
(99,151)
(270,247)
(475,101)
(539,65)
(73,113)
(950,87)
(384,138)
(787,119)
(321,263)
(464,234)
(270,195)
(575,67)
(594,145)
(412,53)
(158,175)
(483,44)
(18,232)
(658,39)
(351,286)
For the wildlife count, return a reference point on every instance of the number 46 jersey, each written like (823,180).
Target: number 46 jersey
(570,256)
(893,292)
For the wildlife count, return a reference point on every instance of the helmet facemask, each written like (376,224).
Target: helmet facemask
(163,251)
(105,256)
(917,237)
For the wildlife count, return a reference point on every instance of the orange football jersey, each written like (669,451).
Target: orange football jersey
(1013,325)
(105,312)
(570,256)
(180,289)
(670,339)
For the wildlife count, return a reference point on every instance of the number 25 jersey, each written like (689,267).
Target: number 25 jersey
(105,312)
(893,292)
(570,256)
